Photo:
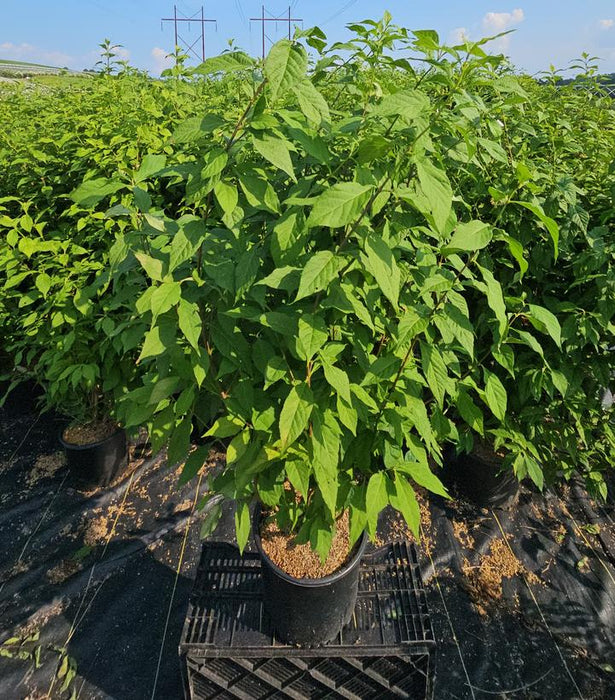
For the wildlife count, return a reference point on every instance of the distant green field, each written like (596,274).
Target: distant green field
(4,61)
(50,76)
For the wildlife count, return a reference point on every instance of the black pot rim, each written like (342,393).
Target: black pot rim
(355,558)
(90,445)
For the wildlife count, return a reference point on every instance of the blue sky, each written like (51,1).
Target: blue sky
(66,33)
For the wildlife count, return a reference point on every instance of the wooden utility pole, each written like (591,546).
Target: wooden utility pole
(262,19)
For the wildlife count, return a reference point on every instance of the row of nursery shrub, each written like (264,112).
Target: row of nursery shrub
(343,258)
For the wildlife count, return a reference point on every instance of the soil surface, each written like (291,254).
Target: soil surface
(300,560)
(106,575)
(89,433)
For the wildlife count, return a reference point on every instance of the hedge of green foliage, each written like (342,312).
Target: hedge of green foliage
(343,258)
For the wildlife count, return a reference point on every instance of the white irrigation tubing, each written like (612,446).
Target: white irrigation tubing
(450,622)
(544,621)
(177,573)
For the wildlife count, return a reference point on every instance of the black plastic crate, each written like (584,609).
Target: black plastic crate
(228,649)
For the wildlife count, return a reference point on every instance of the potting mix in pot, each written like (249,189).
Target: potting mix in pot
(343,261)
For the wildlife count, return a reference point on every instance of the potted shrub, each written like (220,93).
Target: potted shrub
(70,347)
(321,298)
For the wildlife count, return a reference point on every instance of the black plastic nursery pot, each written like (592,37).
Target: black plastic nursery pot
(308,612)
(98,463)
(481,479)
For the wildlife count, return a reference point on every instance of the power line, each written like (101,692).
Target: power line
(341,11)
(281,18)
(242,16)
(195,19)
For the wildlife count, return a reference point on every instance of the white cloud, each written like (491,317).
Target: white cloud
(161,59)
(498,22)
(34,54)
(121,54)
(501,21)
(459,35)
(606,23)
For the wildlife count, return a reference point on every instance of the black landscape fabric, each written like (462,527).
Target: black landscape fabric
(522,600)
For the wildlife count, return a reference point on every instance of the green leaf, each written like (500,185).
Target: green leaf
(242,525)
(423,476)
(435,372)
(548,222)
(150,165)
(312,103)
(193,464)
(529,340)
(285,277)
(214,163)
(495,394)
(164,297)
(529,465)
(325,446)
(227,196)
(179,444)
(358,516)
(276,151)
(495,298)
(313,334)
(380,262)
(340,205)
(408,104)
(404,500)
(437,189)
(43,283)
(470,412)
(183,247)
(295,414)
(259,193)
(298,473)
(426,40)
(152,345)
(320,270)
(410,325)
(197,128)
(505,357)
(376,500)
(275,369)
(560,382)
(473,235)
(190,322)
(228,62)
(338,379)
(418,414)
(493,149)
(516,250)
(373,147)
(211,520)
(321,536)
(364,397)
(162,389)
(312,144)
(543,320)
(91,192)
(226,426)
(152,266)
(347,414)
(285,67)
